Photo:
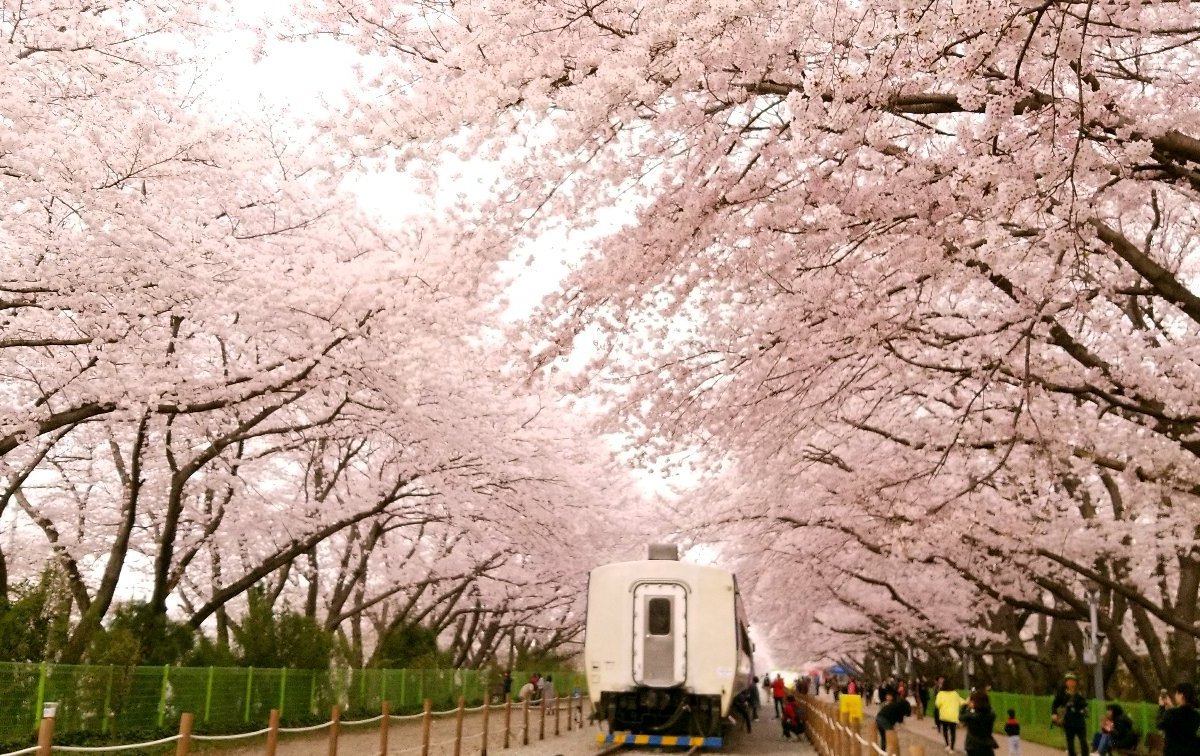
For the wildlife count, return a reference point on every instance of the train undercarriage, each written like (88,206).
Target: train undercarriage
(662,711)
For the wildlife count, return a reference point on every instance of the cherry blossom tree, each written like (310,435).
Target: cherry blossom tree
(221,374)
(920,277)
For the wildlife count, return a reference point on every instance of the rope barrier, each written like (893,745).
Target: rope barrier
(360,721)
(405,716)
(238,736)
(113,749)
(518,732)
(310,728)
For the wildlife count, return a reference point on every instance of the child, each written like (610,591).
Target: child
(1012,728)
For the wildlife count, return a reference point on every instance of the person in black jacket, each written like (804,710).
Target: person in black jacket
(895,708)
(1179,722)
(1116,731)
(979,719)
(1069,711)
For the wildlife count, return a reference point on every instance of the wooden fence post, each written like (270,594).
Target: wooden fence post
(185,734)
(487,710)
(272,733)
(542,720)
(507,720)
(46,728)
(556,717)
(383,727)
(462,703)
(525,714)
(426,722)
(335,723)
(893,742)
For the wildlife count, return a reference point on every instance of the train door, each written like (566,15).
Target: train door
(659,634)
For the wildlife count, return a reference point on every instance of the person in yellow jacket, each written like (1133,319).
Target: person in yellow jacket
(947,705)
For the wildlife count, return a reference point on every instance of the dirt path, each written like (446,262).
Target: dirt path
(404,737)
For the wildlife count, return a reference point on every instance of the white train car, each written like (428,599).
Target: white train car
(666,649)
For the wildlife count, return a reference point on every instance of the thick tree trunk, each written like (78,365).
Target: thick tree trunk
(1183,645)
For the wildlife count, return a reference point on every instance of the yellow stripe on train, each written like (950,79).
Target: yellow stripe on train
(665,740)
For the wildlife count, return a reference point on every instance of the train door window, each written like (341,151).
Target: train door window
(659,634)
(658,616)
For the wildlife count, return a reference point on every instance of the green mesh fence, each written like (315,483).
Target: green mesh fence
(1033,712)
(129,703)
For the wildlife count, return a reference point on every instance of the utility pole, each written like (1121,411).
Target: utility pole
(1097,671)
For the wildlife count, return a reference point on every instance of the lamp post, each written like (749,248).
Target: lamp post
(1092,655)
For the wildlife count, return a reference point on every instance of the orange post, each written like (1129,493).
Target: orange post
(487,710)
(383,727)
(426,722)
(45,736)
(335,723)
(185,734)
(272,733)
(893,742)
(462,702)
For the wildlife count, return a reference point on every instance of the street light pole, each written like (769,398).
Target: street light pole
(1097,671)
(968,668)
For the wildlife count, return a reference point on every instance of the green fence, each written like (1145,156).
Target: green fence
(122,704)
(1033,712)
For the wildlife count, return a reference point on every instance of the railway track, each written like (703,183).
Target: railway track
(625,747)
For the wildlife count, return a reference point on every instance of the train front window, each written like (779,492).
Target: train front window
(658,616)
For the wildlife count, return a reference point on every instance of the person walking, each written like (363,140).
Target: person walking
(755,699)
(938,684)
(1180,721)
(979,719)
(890,715)
(1012,728)
(1069,711)
(948,705)
(778,691)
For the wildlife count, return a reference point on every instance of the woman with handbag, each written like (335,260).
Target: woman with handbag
(979,719)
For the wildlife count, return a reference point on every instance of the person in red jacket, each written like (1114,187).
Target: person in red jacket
(778,691)
(791,719)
